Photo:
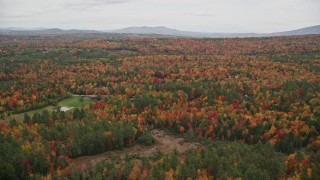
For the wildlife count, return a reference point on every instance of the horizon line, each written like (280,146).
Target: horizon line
(17,28)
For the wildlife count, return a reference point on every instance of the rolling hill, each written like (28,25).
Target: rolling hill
(159,31)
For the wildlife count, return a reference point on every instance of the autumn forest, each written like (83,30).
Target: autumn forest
(240,108)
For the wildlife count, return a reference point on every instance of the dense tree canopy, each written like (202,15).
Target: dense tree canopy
(254,102)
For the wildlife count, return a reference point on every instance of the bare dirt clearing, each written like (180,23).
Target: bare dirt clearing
(165,142)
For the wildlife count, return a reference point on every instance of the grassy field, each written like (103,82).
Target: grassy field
(19,117)
(73,102)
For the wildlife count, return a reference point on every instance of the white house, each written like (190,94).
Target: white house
(64,109)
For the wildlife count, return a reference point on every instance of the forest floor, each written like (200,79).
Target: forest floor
(166,142)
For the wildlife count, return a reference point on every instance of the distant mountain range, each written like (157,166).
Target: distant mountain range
(156,31)
(43,31)
(173,32)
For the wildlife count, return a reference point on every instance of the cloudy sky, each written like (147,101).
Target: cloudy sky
(192,15)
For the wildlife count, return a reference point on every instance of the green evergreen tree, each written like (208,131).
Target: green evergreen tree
(127,169)
(76,113)
(157,173)
(173,160)
(26,118)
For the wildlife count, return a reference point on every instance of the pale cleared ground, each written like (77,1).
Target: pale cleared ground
(165,142)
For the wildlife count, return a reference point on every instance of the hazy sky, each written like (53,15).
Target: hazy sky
(192,15)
